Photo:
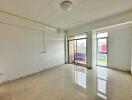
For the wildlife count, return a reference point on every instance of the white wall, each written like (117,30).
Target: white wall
(119,47)
(20,51)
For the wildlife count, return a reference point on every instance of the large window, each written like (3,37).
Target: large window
(102,52)
(80,55)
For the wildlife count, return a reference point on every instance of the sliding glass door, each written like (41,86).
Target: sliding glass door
(77,50)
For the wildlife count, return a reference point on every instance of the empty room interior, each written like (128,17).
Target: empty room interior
(65,49)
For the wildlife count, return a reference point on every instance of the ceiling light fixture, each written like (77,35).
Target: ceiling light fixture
(66,5)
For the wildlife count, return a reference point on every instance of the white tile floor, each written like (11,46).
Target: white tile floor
(71,82)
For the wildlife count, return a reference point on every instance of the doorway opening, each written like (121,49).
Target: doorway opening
(102,49)
(77,49)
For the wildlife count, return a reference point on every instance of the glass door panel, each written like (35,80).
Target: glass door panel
(102,59)
(102,52)
(80,55)
(102,45)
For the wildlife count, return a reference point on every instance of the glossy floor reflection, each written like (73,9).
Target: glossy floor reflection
(71,82)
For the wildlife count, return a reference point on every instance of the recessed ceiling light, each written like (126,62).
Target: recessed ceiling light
(66,5)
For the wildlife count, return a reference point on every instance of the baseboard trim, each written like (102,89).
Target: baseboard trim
(128,71)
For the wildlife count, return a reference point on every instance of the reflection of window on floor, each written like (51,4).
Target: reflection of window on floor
(80,78)
(102,96)
(102,73)
(101,82)
(102,86)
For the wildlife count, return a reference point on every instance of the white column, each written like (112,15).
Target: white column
(66,48)
(94,49)
(89,49)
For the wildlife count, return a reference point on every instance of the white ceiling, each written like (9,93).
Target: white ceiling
(49,11)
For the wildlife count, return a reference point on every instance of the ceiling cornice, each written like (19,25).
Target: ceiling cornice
(104,22)
(32,20)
